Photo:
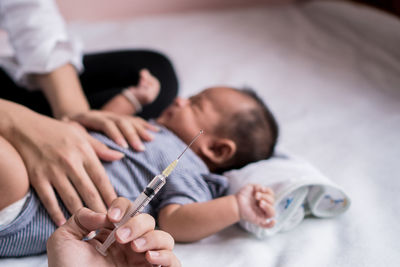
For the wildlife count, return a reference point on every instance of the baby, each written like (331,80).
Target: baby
(239,129)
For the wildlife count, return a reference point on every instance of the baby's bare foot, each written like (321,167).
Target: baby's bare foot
(148,88)
(133,98)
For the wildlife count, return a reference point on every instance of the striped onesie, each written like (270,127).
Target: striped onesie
(190,182)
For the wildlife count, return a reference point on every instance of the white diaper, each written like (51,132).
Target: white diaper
(9,213)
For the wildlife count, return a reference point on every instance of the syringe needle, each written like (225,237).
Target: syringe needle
(194,139)
(167,171)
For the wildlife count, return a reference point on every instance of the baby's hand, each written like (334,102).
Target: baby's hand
(256,205)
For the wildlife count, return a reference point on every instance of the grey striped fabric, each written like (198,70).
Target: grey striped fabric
(190,182)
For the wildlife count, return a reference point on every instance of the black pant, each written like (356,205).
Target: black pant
(104,76)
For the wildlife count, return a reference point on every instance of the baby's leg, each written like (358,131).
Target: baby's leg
(14,183)
(144,93)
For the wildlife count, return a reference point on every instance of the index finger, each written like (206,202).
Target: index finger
(118,208)
(99,177)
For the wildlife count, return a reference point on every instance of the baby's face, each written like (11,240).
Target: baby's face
(206,110)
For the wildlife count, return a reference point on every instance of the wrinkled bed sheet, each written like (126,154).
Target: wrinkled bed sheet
(331,73)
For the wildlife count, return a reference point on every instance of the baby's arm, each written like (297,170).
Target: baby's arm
(192,222)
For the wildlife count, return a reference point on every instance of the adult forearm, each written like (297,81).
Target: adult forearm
(195,221)
(63,90)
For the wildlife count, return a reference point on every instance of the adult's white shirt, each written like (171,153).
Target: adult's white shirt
(39,38)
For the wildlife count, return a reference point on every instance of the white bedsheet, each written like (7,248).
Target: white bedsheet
(331,73)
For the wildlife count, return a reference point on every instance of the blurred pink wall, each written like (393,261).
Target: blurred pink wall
(123,9)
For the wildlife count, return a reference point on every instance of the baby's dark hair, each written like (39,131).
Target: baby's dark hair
(254,131)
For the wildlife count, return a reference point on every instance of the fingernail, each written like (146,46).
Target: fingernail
(119,154)
(61,222)
(124,233)
(155,128)
(91,235)
(270,220)
(140,242)
(65,118)
(154,254)
(140,147)
(115,213)
(123,143)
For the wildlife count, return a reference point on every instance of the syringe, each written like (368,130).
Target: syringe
(143,199)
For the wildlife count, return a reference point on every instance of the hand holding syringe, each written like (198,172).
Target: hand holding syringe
(144,198)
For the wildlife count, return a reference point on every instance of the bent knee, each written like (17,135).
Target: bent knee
(14,183)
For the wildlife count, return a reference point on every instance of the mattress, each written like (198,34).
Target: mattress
(330,71)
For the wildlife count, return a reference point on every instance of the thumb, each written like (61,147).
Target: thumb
(83,222)
(103,152)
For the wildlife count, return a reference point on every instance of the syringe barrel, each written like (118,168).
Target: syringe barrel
(155,185)
(144,198)
(137,206)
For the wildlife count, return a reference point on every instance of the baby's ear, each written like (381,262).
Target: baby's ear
(219,150)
